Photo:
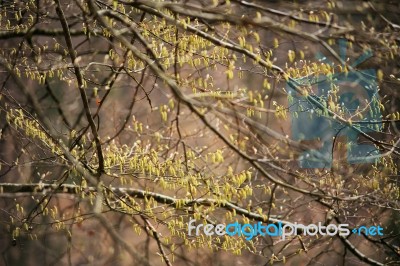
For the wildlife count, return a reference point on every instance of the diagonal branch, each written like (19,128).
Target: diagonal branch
(316,101)
(81,86)
(119,239)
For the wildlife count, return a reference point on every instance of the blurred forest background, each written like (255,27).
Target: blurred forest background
(121,120)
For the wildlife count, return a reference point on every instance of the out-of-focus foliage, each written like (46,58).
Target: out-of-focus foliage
(121,120)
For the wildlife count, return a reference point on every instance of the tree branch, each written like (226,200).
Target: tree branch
(81,86)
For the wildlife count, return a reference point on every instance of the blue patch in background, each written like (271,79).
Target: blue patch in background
(312,123)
